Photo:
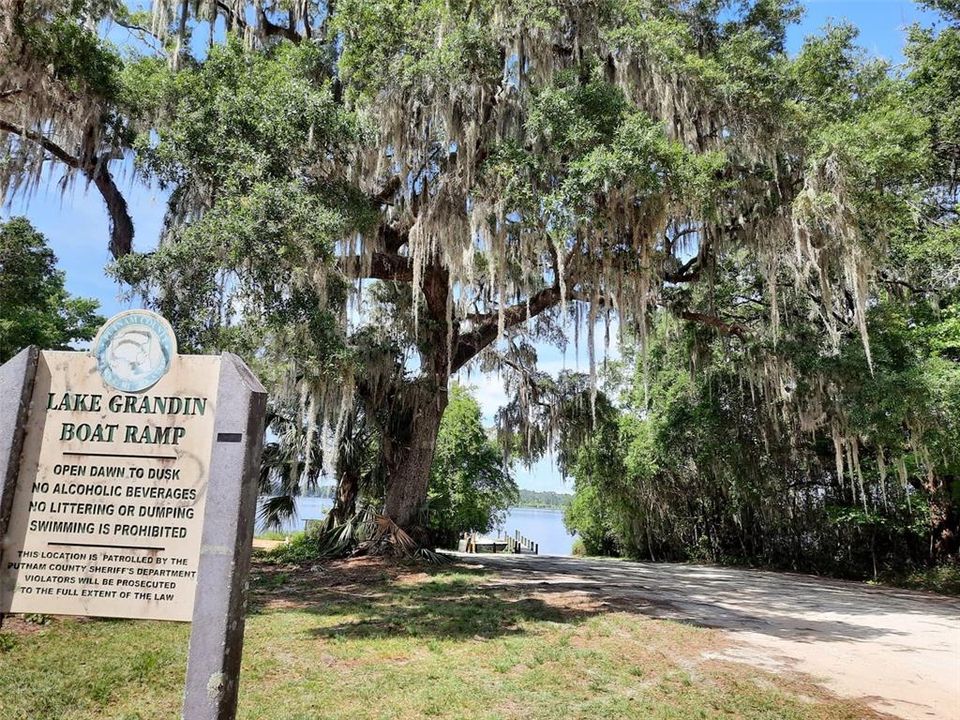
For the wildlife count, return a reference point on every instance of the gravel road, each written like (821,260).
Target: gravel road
(897,650)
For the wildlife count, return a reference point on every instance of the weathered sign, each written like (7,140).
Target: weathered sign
(128,489)
(108,508)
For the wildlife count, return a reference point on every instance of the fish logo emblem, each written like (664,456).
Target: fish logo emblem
(134,350)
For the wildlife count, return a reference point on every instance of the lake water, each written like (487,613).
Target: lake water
(542,525)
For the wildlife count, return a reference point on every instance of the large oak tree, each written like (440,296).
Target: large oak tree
(370,195)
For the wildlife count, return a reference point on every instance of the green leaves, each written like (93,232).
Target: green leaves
(76,56)
(575,117)
(243,116)
(470,483)
(35,308)
(415,47)
(587,143)
(934,79)
(254,145)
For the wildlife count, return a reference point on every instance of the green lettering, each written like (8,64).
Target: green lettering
(67,431)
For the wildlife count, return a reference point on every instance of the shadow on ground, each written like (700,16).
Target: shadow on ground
(379,599)
(487,596)
(790,606)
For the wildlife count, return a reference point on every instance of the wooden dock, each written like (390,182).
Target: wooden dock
(516,544)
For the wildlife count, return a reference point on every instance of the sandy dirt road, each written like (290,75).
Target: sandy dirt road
(898,651)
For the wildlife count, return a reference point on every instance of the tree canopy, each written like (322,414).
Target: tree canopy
(369,196)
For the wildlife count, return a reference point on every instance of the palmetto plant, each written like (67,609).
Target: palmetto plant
(368,532)
(292,461)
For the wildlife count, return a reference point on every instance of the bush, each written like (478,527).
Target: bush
(300,548)
(944,579)
(579,549)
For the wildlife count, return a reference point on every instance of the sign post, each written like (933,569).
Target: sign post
(216,641)
(129,484)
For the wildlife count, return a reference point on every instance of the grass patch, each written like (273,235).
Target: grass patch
(365,639)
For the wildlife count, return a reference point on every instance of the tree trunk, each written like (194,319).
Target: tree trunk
(345,503)
(408,469)
(409,453)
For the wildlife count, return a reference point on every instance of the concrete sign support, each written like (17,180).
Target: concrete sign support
(128,487)
(213,667)
(16,387)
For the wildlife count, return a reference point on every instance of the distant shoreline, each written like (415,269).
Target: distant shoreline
(543,499)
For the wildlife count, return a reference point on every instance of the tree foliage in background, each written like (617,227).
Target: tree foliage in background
(780,453)
(470,483)
(547,499)
(698,470)
(35,308)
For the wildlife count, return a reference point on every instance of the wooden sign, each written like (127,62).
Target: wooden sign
(128,489)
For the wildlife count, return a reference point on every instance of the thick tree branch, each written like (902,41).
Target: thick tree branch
(51,147)
(270,28)
(121,224)
(485,329)
(436,290)
(234,21)
(888,279)
(96,171)
(392,238)
(388,190)
(690,271)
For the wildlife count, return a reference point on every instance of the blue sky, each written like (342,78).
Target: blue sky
(76,223)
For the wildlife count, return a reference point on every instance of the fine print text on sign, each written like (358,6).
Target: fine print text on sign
(109,503)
